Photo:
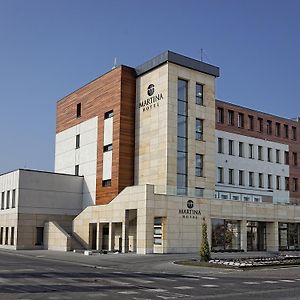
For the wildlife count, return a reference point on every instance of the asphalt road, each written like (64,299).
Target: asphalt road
(54,275)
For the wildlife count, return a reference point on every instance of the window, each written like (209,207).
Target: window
(199,94)
(269,127)
(260,180)
(278,185)
(157,231)
(2,200)
(260,152)
(77,170)
(199,192)
(277,156)
(1,236)
(220,145)
(231,117)
(220,175)
(107,148)
(78,110)
(199,165)
(251,151)
(295,184)
(240,120)
(7,199)
(286,157)
(287,183)
(12,236)
(220,115)
(260,124)
(295,159)
(109,114)
(13,200)
(241,177)
(277,129)
(251,179)
(77,141)
(270,181)
(106,183)
(230,147)
(251,122)
(269,154)
(6,235)
(241,149)
(39,239)
(199,129)
(231,176)
(294,133)
(286,130)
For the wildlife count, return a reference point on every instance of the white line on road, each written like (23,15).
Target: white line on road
(251,282)
(270,281)
(128,292)
(184,287)
(287,280)
(209,285)
(209,278)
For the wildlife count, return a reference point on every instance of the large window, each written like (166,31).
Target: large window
(225,235)
(295,184)
(269,127)
(231,117)
(277,129)
(182,92)
(289,236)
(220,115)
(241,149)
(278,156)
(251,151)
(199,94)
(260,180)
(251,122)
(230,147)
(270,181)
(199,165)
(199,129)
(286,130)
(241,120)
(241,177)
(260,124)
(270,154)
(251,179)
(260,153)
(294,133)
(220,145)
(231,176)
(220,171)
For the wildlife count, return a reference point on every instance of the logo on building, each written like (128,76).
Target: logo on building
(150,91)
(190,213)
(152,101)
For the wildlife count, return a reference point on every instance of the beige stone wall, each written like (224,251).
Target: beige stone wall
(56,238)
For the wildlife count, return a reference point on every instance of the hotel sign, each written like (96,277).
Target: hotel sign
(153,99)
(190,212)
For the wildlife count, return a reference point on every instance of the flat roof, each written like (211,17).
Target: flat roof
(169,56)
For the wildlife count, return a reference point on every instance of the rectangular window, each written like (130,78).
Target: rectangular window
(251,151)
(77,170)
(278,160)
(277,129)
(260,152)
(220,145)
(199,192)
(13,199)
(107,148)
(199,129)
(77,143)
(2,200)
(157,231)
(270,181)
(241,149)
(199,94)
(295,159)
(231,117)
(78,110)
(286,130)
(199,165)
(287,183)
(230,147)
(1,236)
(251,179)
(39,239)
(269,154)
(295,184)
(6,235)
(109,114)
(220,175)
(260,180)
(286,157)
(106,183)
(294,133)
(220,115)
(12,236)
(231,176)
(278,181)
(269,127)
(240,120)
(251,122)
(241,177)
(260,124)
(7,199)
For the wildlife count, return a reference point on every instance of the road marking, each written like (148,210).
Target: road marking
(156,290)
(298,279)
(251,282)
(209,278)
(209,285)
(270,281)
(118,273)
(287,280)
(184,287)
(128,292)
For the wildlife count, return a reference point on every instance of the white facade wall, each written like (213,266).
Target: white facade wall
(107,155)
(247,164)
(67,156)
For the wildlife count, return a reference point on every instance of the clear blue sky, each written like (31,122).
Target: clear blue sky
(50,48)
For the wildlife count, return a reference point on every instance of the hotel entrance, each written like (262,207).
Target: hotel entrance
(256,236)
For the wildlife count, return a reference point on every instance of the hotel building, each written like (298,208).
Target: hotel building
(145,155)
